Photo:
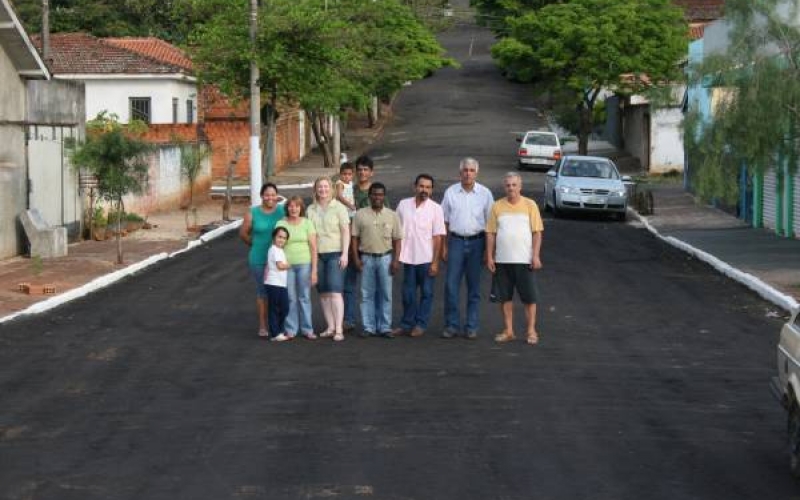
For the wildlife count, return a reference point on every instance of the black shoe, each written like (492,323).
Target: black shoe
(364,334)
(387,335)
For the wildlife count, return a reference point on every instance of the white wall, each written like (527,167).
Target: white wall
(12,155)
(112,95)
(167,188)
(666,149)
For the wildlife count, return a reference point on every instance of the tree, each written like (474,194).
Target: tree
(166,19)
(585,46)
(312,56)
(496,14)
(117,157)
(757,123)
(193,156)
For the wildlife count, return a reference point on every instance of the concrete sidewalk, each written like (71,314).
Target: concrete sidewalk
(89,262)
(758,258)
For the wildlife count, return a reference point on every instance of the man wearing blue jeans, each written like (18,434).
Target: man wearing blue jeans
(466,208)
(423,229)
(376,249)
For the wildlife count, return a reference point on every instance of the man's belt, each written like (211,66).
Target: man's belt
(376,254)
(467,238)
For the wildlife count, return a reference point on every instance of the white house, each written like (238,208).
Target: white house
(142,78)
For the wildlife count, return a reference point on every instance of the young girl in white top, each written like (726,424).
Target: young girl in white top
(275,281)
(344,188)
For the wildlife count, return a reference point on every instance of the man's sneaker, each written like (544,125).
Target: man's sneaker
(281,337)
(448,334)
(471,335)
(349,327)
(364,334)
(387,334)
(417,332)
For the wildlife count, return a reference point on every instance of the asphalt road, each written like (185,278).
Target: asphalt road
(650,381)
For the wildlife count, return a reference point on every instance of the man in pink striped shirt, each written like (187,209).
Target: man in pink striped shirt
(423,229)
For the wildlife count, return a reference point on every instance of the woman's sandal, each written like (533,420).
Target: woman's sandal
(338,337)
(504,336)
(326,334)
(533,338)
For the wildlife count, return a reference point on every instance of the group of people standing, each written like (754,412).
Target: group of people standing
(350,231)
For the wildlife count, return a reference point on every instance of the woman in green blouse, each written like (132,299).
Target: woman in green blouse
(301,252)
(332,223)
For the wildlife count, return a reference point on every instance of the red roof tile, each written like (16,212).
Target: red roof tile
(697,30)
(154,48)
(81,53)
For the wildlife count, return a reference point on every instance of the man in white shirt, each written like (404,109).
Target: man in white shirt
(466,208)
(513,245)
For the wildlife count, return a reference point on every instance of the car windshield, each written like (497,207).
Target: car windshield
(589,168)
(541,140)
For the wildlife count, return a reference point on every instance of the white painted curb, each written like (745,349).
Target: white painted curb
(754,283)
(108,279)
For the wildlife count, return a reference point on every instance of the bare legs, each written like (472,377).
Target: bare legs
(507,308)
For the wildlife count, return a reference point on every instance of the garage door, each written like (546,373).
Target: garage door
(770,199)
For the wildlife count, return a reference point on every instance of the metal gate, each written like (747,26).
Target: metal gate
(796,205)
(52,184)
(770,197)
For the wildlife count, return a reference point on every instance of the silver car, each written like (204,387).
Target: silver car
(587,183)
(787,386)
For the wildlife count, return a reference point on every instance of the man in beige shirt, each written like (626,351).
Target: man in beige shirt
(377,236)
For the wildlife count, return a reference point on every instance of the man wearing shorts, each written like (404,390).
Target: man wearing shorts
(513,244)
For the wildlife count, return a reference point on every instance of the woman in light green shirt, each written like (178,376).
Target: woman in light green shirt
(301,252)
(332,223)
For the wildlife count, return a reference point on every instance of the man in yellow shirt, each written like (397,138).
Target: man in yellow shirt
(513,244)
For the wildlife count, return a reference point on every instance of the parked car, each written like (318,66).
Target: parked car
(538,148)
(787,386)
(588,183)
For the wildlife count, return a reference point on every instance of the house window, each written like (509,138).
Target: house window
(189,111)
(174,110)
(140,109)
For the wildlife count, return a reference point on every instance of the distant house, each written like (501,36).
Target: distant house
(770,199)
(144,79)
(654,135)
(39,119)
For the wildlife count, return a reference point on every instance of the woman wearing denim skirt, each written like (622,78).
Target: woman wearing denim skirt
(301,252)
(332,224)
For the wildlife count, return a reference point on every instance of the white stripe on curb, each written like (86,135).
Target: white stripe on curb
(766,291)
(108,279)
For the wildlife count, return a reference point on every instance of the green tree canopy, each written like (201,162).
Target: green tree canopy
(320,58)
(756,113)
(585,46)
(167,19)
(496,14)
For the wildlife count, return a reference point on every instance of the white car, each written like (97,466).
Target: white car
(586,183)
(787,386)
(538,148)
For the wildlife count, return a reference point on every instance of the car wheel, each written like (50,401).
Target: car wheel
(793,429)
(520,166)
(622,216)
(546,202)
(556,211)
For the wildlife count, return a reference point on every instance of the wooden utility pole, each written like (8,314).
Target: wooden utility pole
(45,30)
(255,112)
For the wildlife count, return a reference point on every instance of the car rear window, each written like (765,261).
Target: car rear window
(541,140)
(583,168)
